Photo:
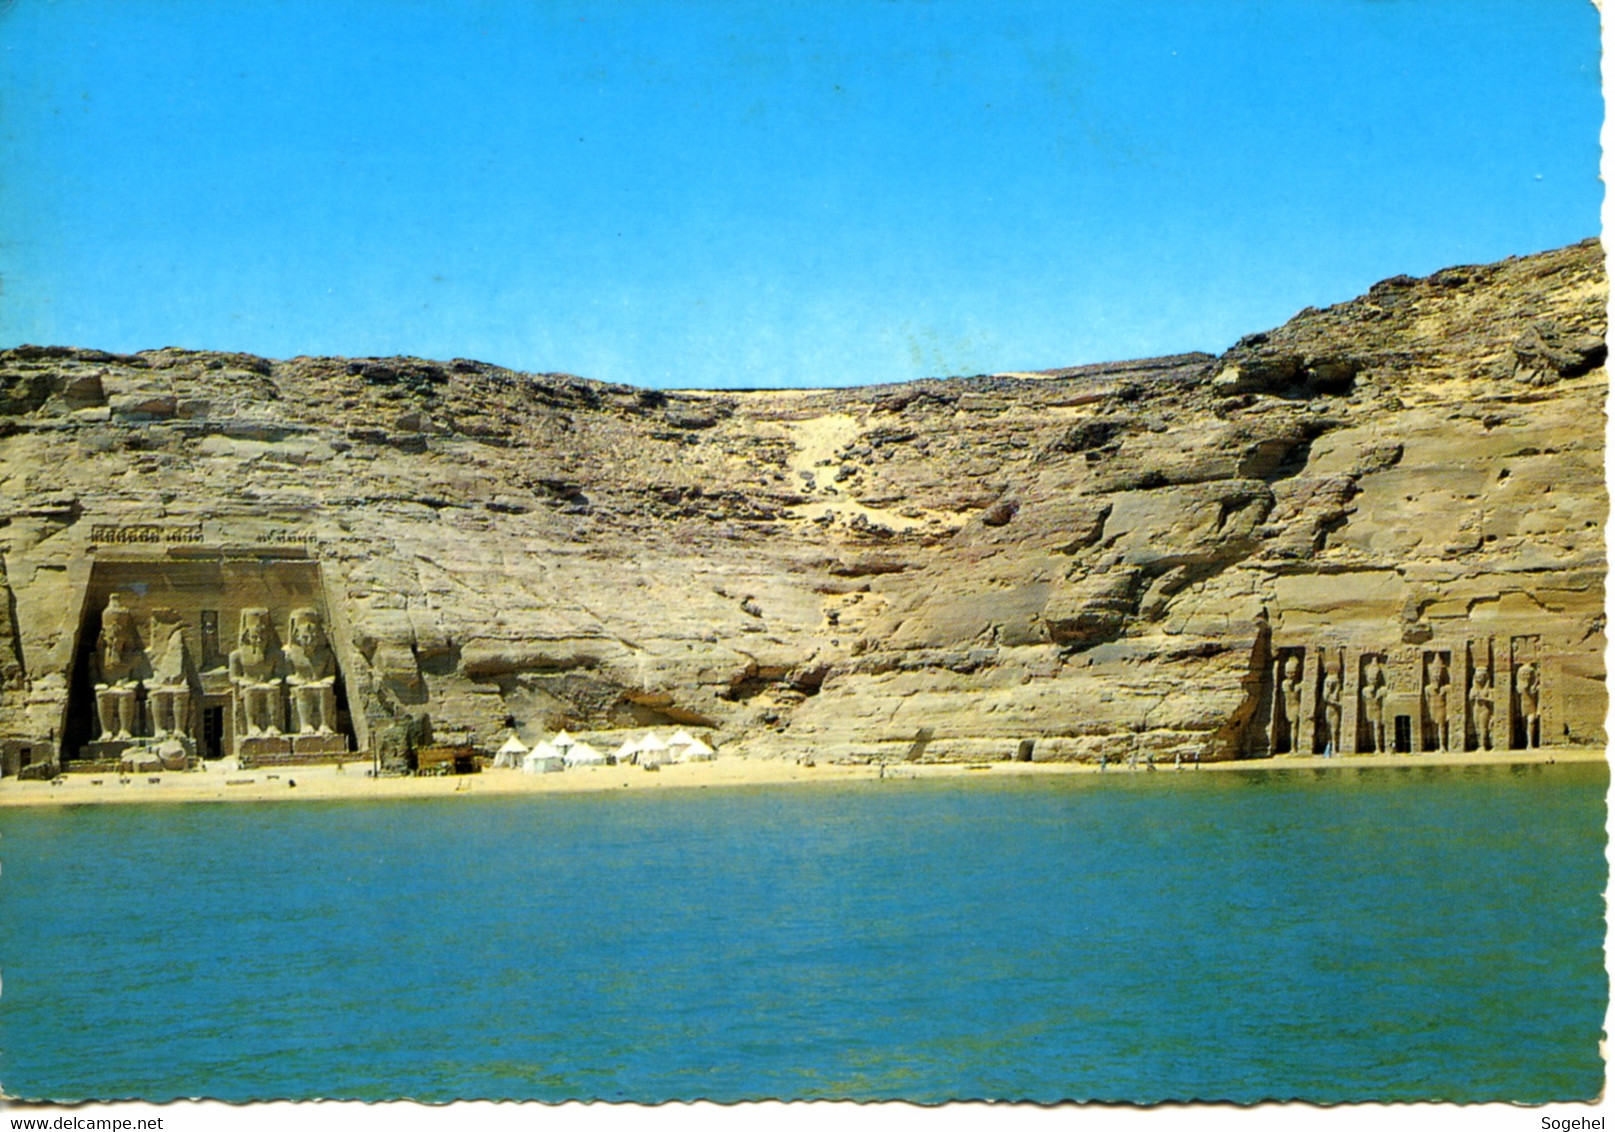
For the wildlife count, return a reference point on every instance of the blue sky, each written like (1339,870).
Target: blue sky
(737,193)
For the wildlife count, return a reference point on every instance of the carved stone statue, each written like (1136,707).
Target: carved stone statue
(1528,685)
(1331,712)
(255,673)
(312,679)
(168,693)
(1374,703)
(1480,705)
(1438,682)
(119,664)
(1290,689)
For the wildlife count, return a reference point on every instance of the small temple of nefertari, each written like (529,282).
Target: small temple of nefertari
(1477,693)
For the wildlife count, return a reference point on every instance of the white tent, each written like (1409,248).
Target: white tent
(543,759)
(696,751)
(582,754)
(681,738)
(563,742)
(652,751)
(628,753)
(510,755)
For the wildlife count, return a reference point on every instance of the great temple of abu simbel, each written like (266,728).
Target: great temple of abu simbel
(182,652)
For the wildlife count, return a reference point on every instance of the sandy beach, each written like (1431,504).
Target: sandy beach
(353,783)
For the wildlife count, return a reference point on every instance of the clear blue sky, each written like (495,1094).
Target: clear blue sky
(779,192)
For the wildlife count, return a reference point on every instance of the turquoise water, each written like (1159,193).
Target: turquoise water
(1339,935)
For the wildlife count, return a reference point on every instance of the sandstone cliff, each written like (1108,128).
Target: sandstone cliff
(1111,558)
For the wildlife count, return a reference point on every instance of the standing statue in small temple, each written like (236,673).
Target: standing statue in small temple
(1331,712)
(168,691)
(312,678)
(1290,688)
(1374,703)
(119,665)
(1438,682)
(1528,686)
(255,674)
(1480,705)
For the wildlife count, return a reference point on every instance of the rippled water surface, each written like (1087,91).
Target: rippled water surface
(1336,935)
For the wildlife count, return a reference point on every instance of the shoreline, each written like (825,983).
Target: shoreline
(351,783)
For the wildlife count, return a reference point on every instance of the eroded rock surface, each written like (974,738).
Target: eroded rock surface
(1103,560)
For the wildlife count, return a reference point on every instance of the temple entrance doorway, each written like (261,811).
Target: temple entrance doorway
(1402,743)
(213,732)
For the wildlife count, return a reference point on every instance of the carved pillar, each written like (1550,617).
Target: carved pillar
(1505,708)
(1306,730)
(1276,722)
(1494,736)
(1351,701)
(1425,728)
(1342,744)
(1550,702)
(1463,673)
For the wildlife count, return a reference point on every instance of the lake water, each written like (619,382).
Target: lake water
(1331,936)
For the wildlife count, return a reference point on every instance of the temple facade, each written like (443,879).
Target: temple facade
(1463,670)
(1471,694)
(182,649)
(209,657)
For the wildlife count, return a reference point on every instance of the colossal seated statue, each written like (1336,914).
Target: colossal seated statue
(118,666)
(255,674)
(168,692)
(312,676)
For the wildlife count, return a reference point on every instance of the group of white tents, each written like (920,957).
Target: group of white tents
(563,751)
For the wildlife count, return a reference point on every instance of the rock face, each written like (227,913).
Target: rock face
(1379,523)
